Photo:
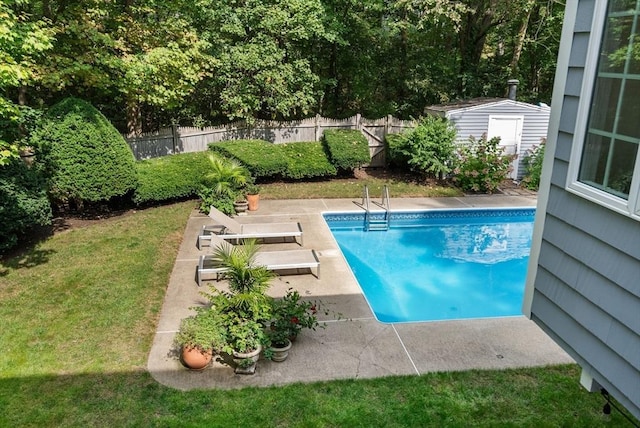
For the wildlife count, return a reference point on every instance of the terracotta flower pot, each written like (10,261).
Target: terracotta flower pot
(195,358)
(253,202)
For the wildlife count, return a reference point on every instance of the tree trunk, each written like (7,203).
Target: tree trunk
(519,42)
(134,118)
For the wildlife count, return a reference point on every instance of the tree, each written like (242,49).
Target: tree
(22,44)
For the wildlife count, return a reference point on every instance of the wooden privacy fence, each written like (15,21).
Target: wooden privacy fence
(184,139)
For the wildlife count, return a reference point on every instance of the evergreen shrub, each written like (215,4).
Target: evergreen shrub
(23,202)
(306,160)
(347,148)
(261,158)
(86,158)
(170,177)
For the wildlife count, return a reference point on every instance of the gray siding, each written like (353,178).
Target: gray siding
(587,291)
(474,122)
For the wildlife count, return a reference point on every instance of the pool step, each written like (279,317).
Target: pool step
(377,224)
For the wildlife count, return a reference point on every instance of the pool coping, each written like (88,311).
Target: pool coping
(352,344)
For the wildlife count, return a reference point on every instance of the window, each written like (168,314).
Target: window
(608,136)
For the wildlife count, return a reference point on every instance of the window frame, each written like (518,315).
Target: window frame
(631,206)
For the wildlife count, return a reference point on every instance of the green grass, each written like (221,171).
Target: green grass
(78,314)
(352,188)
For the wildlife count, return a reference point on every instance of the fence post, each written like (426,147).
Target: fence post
(174,137)
(317,129)
(358,122)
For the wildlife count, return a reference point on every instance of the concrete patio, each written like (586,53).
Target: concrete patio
(356,345)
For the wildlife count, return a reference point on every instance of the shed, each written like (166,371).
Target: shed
(520,126)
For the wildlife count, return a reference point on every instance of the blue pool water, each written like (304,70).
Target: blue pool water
(441,264)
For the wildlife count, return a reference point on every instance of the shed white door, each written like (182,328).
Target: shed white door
(509,129)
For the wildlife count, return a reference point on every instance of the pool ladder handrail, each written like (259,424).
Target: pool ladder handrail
(371,223)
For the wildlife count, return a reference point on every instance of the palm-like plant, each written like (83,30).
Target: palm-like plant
(227,176)
(223,184)
(248,282)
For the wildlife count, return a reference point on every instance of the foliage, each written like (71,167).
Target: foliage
(23,202)
(223,184)
(429,148)
(170,177)
(261,158)
(533,166)
(395,156)
(203,331)
(23,43)
(276,161)
(306,160)
(482,166)
(265,70)
(245,307)
(290,316)
(85,157)
(347,148)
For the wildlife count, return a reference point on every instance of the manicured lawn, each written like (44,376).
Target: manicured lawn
(79,310)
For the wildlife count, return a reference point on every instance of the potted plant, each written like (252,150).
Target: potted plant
(199,335)
(253,196)
(279,343)
(245,339)
(224,185)
(291,315)
(245,308)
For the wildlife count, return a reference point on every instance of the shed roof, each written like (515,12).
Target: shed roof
(475,103)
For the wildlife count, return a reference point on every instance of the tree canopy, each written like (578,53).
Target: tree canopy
(152,63)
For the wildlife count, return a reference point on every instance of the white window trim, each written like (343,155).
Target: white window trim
(630,207)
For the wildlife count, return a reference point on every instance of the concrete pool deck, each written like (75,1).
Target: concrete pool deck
(356,345)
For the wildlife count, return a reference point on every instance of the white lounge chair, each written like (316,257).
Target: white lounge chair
(272,260)
(230,229)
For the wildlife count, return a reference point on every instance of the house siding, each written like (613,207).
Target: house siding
(586,292)
(474,122)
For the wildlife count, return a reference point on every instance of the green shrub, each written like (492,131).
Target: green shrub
(86,159)
(395,156)
(429,148)
(274,161)
(23,202)
(261,158)
(347,148)
(306,160)
(483,165)
(533,166)
(170,177)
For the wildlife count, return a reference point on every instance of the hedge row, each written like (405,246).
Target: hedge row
(288,161)
(170,177)
(347,148)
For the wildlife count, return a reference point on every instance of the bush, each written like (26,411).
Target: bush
(347,148)
(533,166)
(274,161)
(170,177)
(86,159)
(306,160)
(261,158)
(23,202)
(483,165)
(393,145)
(429,148)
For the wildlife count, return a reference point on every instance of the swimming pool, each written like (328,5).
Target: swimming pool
(439,264)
